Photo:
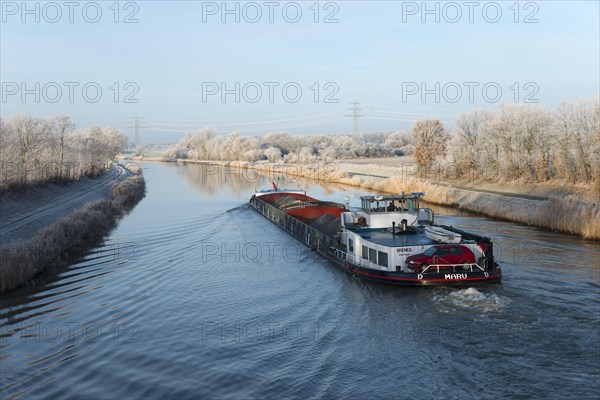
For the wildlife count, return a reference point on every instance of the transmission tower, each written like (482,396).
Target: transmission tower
(355,115)
(137,123)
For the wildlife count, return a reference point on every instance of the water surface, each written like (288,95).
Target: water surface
(196,295)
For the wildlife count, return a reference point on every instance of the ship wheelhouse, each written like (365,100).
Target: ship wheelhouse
(391,204)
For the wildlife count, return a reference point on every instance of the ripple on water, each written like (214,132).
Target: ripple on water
(471,299)
(171,317)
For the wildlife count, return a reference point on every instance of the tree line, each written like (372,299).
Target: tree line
(513,142)
(205,144)
(531,143)
(36,150)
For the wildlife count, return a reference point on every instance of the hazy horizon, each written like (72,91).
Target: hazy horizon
(195,65)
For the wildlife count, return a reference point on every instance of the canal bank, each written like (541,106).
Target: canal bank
(44,227)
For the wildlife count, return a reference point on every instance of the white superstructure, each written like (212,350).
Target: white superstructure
(385,230)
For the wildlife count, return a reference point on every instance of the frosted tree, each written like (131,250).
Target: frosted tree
(399,143)
(30,135)
(471,139)
(113,142)
(273,154)
(525,132)
(586,122)
(576,126)
(281,140)
(37,150)
(201,142)
(431,141)
(563,126)
(61,127)
(250,149)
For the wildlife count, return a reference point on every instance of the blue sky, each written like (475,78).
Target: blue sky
(178,56)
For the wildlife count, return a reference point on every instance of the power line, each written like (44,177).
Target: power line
(247,130)
(137,123)
(246,122)
(408,107)
(280,117)
(355,116)
(430,115)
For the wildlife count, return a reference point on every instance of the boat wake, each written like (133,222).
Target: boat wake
(473,299)
(241,207)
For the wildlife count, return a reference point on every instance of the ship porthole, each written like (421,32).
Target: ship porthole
(486,274)
(420,276)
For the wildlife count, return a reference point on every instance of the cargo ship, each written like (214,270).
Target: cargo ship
(388,239)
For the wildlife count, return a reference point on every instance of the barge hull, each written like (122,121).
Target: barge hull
(468,278)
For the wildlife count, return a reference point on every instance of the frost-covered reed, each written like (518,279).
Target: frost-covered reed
(56,244)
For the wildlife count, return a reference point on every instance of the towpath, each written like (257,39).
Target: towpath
(23,213)
(465,188)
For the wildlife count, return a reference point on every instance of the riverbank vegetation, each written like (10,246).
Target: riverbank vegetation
(55,245)
(531,144)
(205,144)
(517,145)
(522,149)
(52,149)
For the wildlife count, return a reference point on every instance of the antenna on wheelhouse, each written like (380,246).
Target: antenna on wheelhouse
(347,201)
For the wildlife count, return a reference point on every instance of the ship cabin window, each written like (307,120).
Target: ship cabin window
(383,259)
(365,252)
(373,255)
(391,206)
(402,206)
(350,246)
(372,204)
(366,205)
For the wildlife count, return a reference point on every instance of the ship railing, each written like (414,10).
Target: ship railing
(306,204)
(348,257)
(470,267)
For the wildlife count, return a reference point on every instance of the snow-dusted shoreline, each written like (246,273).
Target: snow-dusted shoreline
(39,225)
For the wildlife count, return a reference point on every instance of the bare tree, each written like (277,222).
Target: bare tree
(431,139)
(576,126)
(61,127)
(31,133)
(471,139)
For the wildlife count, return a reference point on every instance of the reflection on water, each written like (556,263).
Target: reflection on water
(241,183)
(196,295)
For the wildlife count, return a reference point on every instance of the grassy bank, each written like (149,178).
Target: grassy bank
(56,244)
(559,213)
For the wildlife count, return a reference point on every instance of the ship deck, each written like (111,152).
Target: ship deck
(384,237)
